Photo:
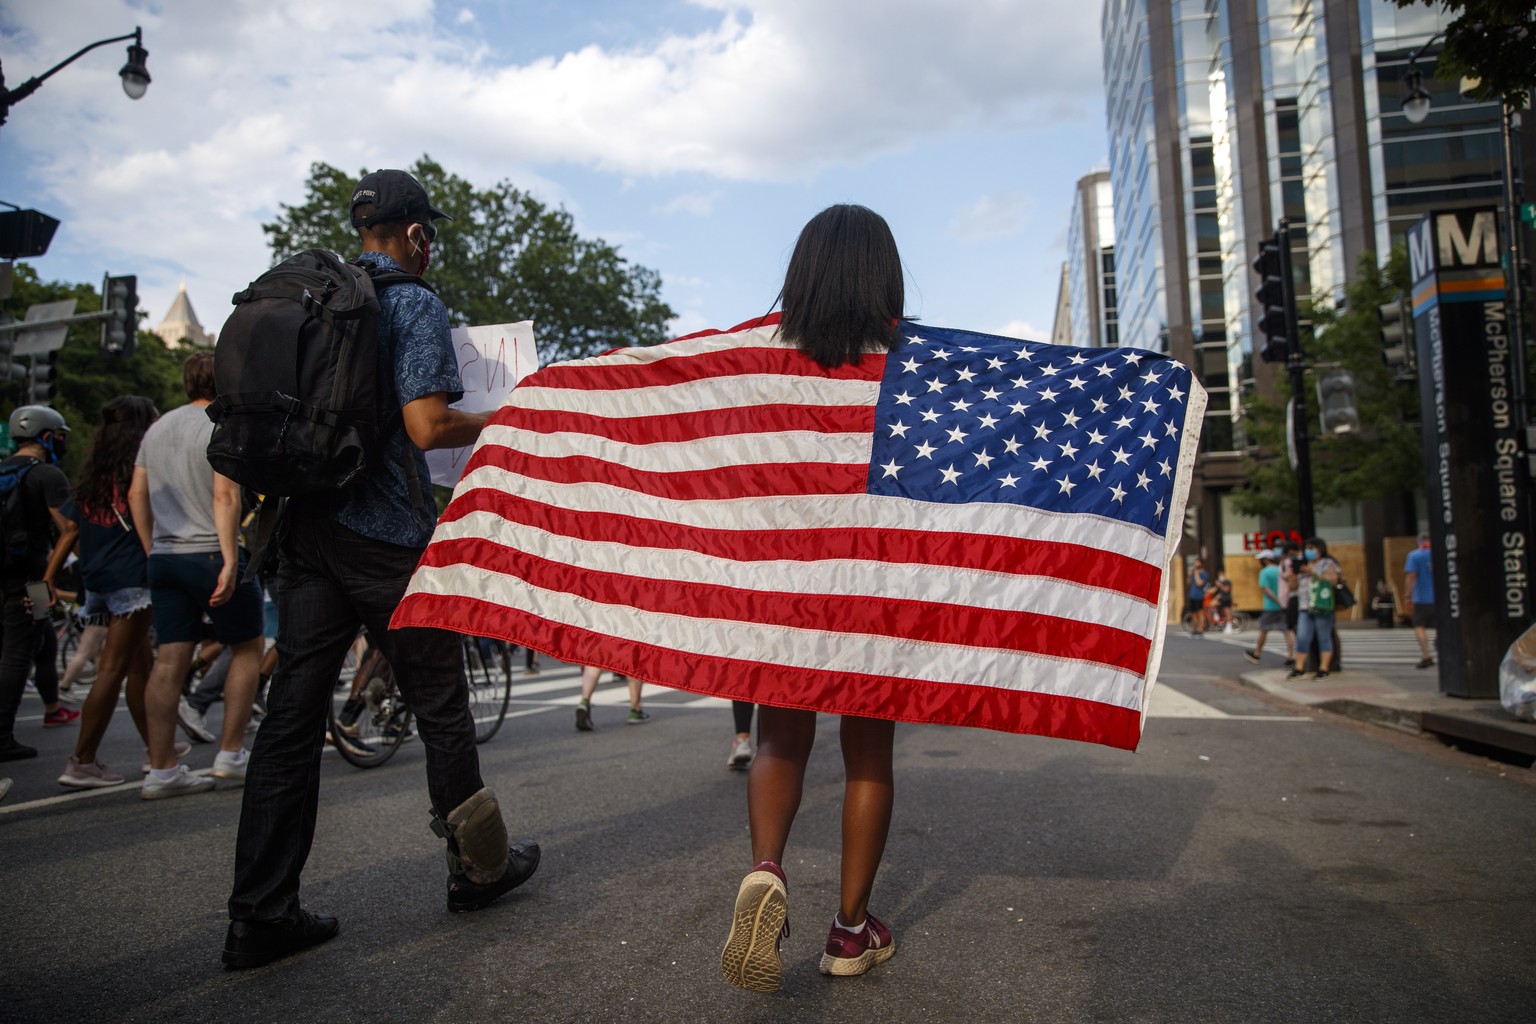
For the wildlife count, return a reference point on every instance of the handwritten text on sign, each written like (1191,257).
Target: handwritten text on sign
(491,361)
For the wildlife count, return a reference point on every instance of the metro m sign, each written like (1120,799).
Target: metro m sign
(1460,238)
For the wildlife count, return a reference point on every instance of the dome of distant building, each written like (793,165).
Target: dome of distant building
(181,326)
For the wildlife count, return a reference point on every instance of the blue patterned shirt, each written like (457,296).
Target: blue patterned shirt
(416,358)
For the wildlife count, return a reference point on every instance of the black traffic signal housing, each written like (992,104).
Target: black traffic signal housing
(42,381)
(1274,316)
(1396,334)
(120,330)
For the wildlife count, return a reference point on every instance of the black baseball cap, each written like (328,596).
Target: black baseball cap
(395,196)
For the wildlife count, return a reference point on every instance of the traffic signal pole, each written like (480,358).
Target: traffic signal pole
(1297,367)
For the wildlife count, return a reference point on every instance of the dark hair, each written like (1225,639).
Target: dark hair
(843,291)
(1320,544)
(384,229)
(108,466)
(197,376)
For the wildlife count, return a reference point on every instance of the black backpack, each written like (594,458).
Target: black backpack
(296,373)
(15,537)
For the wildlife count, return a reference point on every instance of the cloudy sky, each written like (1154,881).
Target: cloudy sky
(697,135)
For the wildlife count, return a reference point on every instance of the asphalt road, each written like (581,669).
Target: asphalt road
(1251,862)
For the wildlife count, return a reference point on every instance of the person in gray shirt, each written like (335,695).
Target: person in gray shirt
(188,519)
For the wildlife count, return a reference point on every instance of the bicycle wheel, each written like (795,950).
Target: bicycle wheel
(1240,622)
(367,730)
(490,685)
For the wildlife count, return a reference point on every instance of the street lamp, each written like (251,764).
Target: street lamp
(1416,100)
(135,73)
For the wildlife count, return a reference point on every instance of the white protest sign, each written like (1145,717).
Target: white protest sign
(491,360)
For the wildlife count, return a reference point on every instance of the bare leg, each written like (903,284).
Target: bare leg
(160,699)
(139,664)
(123,634)
(634,693)
(777,777)
(868,795)
(87,651)
(239,693)
(589,682)
(1258,647)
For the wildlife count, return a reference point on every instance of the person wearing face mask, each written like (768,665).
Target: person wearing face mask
(344,560)
(37,503)
(1316,583)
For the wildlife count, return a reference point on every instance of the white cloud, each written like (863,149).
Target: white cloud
(466,16)
(247,93)
(700,205)
(1022,329)
(995,216)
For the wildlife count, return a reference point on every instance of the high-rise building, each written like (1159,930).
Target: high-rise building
(1224,116)
(1094,320)
(181,326)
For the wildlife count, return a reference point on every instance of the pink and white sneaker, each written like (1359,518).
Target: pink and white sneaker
(88,776)
(851,953)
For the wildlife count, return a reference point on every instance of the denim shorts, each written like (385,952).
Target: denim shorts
(123,601)
(180,586)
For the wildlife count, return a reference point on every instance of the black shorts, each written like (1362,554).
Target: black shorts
(1424,615)
(1194,604)
(1292,613)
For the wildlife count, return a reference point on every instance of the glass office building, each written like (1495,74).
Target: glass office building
(1223,116)
(1093,309)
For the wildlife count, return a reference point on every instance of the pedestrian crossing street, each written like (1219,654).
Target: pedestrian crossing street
(560,688)
(1363,648)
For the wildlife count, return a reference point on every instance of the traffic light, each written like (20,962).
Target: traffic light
(1272,319)
(1395,349)
(120,330)
(9,368)
(42,382)
(1336,399)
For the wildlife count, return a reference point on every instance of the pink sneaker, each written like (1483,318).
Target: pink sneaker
(750,959)
(60,716)
(850,953)
(88,776)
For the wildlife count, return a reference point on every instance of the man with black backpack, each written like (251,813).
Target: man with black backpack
(345,556)
(33,490)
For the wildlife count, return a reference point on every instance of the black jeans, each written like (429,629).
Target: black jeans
(331,581)
(22,640)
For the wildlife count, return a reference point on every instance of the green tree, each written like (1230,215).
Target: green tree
(1490,40)
(87,379)
(504,257)
(1380,462)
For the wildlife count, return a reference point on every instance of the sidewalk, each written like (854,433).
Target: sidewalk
(1401,698)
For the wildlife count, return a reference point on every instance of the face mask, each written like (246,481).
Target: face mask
(1312,554)
(1424,544)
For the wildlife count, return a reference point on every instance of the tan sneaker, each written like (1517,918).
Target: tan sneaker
(750,959)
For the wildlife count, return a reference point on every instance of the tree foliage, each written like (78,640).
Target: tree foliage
(87,380)
(1491,40)
(1380,462)
(504,257)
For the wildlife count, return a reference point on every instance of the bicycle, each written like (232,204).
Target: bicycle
(1233,622)
(370,723)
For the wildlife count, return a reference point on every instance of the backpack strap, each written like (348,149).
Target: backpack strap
(384,279)
(269,533)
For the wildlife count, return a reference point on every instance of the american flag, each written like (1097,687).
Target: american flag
(969,530)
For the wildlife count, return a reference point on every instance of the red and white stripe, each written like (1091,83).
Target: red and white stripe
(694,515)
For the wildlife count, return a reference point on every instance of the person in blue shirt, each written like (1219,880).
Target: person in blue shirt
(344,560)
(1272,614)
(1419,567)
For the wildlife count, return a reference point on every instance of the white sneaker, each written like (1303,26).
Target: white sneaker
(192,722)
(74,694)
(183,783)
(182,748)
(231,765)
(741,755)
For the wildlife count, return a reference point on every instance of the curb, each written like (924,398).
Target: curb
(1374,700)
